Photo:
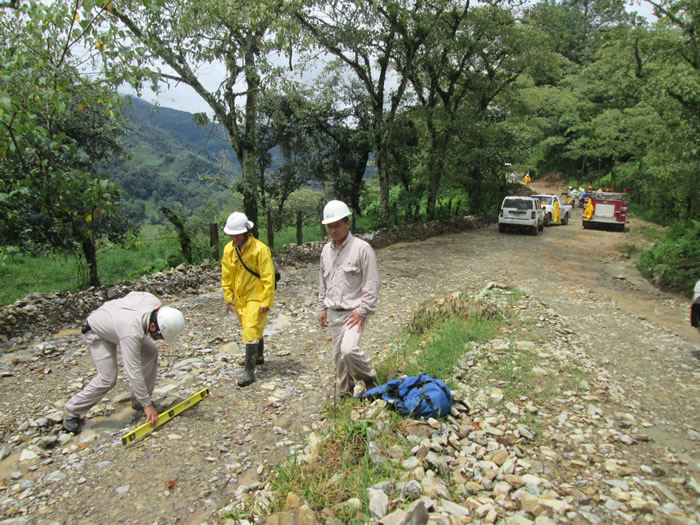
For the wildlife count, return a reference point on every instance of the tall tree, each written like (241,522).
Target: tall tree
(242,37)
(364,37)
(56,126)
(471,56)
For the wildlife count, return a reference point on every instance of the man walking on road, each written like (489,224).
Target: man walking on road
(127,323)
(248,282)
(347,296)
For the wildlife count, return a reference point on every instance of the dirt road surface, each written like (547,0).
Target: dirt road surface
(192,466)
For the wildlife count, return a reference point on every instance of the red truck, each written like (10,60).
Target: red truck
(606,208)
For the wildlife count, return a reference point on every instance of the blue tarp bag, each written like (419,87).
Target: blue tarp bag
(416,396)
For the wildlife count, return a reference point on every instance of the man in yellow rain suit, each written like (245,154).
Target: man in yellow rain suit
(527,179)
(248,282)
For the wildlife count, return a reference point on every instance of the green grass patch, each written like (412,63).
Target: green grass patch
(56,273)
(476,343)
(22,275)
(334,483)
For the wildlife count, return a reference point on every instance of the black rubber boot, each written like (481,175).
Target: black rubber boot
(248,377)
(260,359)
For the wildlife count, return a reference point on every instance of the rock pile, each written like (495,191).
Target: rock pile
(42,314)
(561,455)
(309,252)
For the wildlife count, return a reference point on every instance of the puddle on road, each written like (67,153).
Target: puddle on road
(9,465)
(111,423)
(668,437)
(63,333)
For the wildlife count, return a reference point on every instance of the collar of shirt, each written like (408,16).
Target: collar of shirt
(347,239)
(242,246)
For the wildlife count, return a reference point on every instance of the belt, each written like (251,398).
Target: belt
(340,310)
(85,329)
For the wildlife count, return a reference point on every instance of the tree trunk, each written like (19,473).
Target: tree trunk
(214,240)
(437,146)
(185,242)
(383,169)
(90,253)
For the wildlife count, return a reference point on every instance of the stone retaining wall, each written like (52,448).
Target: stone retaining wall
(38,315)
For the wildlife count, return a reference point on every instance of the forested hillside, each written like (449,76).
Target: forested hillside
(171,160)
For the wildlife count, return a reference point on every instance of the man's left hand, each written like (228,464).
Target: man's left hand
(264,309)
(151,415)
(355,319)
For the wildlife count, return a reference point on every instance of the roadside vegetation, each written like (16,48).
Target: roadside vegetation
(417,112)
(443,334)
(673,263)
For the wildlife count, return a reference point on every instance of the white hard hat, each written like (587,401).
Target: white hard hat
(237,223)
(170,323)
(334,211)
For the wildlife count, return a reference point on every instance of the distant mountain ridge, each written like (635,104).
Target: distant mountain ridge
(180,125)
(172,161)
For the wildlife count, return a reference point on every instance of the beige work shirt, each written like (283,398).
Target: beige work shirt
(125,322)
(349,278)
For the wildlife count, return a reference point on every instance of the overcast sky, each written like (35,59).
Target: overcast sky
(184,98)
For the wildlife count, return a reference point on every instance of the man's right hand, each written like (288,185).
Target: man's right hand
(230,308)
(323,320)
(151,415)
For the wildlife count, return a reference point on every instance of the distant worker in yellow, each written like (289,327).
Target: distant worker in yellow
(248,282)
(570,196)
(527,179)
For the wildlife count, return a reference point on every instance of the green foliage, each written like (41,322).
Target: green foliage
(626,115)
(673,264)
(443,333)
(57,127)
(343,469)
(172,161)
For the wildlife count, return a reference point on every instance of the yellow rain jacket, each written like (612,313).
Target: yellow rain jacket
(248,292)
(588,212)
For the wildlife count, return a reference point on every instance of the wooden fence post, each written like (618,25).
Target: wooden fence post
(270,230)
(300,231)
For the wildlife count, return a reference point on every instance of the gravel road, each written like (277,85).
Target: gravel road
(188,469)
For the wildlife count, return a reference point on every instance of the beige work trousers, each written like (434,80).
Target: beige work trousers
(104,354)
(351,363)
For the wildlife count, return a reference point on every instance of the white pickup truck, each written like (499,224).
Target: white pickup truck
(521,212)
(554,211)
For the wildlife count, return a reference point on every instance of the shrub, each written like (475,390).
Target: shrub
(673,264)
